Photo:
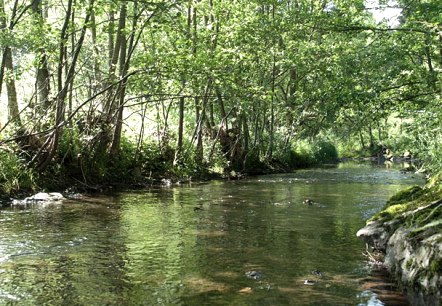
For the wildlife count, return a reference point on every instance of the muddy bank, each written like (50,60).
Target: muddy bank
(408,232)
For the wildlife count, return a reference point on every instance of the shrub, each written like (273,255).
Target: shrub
(324,152)
(316,152)
(14,173)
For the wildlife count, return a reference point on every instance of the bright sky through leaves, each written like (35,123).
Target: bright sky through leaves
(385,12)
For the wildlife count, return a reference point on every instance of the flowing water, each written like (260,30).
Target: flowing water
(245,242)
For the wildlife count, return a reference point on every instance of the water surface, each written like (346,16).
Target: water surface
(193,244)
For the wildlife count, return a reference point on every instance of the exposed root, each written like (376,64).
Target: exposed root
(375,257)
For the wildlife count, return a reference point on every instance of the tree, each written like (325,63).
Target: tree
(6,68)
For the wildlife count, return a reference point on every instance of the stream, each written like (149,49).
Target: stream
(241,242)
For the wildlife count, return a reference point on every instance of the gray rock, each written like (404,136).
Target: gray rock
(412,259)
(41,197)
(254,275)
(375,235)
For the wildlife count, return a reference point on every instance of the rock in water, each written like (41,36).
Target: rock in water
(254,274)
(309,282)
(41,197)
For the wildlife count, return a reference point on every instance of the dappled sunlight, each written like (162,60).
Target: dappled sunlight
(210,234)
(205,285)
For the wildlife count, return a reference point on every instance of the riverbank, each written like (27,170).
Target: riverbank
(70,185)
(408,232)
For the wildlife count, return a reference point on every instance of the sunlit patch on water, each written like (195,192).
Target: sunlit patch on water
(369,299)
(205,285)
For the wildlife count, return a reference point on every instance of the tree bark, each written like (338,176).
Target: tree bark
(7,69)
(122,43)
(97,73)
(179,146)
(13,111)
(42,77)
(110,106)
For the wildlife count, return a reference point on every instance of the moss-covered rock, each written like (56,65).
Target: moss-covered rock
(409,231)
(406,195)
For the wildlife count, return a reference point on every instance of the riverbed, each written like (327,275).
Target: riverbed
(286,239)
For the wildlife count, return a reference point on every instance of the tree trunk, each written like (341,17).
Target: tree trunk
(110,106)
(111,40)
(370,134)
(222,108)
(199,117)
(272,115)
(42,77)
(179,146)
(116,140)
(122,44)
(361,139)
(7,70)
(97,72)
(272,100)
(2,28)
(13,111)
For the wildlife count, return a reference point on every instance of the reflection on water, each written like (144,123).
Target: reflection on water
(193,245)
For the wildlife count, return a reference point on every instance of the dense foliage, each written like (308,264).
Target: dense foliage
(120,90)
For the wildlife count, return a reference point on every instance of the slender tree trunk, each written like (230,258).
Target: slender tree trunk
(361,138)
(272,115)
(42,78)
(224,121)
(43,83)
(110,107)
(122,43)
(246,138)
(272,101)
(111,42)
(13,111)
(2,28)
(199,118)
(97,74)
(7,70)
(179,146)
(124,59)
(72,51)
(116,141)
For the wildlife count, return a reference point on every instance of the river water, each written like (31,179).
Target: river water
(245,242)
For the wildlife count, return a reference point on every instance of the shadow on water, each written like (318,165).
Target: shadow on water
(247,242)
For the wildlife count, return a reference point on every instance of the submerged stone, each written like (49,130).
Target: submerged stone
(254,275)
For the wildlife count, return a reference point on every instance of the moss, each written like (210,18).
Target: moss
(409,264)
(409,200)
(390,212)
(436,266)
(435,180)
(406,195)
(396,209)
